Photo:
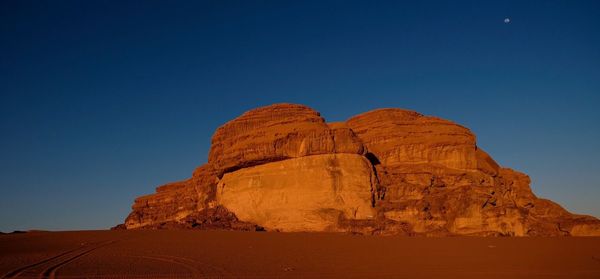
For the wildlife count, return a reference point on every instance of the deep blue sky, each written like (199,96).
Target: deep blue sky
(101,102)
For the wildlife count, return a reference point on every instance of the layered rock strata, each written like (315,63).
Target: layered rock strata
(388,171)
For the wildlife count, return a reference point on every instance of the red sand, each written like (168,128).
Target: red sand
(223,254)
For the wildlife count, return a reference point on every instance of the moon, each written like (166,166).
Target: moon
(507,20)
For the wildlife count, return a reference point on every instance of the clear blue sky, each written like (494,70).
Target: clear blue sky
(102,101)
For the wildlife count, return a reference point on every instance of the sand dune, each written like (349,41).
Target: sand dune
(224,254)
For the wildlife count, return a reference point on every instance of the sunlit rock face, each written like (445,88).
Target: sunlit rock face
(309,193)
(388,171)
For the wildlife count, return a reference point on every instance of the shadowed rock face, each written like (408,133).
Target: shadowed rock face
(388,171)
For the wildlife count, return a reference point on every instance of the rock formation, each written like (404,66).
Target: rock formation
(388,171)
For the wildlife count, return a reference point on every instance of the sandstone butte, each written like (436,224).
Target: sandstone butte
(387,171)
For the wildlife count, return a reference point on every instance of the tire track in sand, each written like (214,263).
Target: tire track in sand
(196,268)
(47,268)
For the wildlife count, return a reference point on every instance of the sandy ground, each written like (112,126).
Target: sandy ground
(221,254)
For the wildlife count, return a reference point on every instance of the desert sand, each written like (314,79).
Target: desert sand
(235,254)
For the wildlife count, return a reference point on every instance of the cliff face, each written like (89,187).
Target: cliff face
(388,171)
(309,193)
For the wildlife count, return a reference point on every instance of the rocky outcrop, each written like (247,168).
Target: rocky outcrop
(387,171)
(397,136)
(277,133)
(174,201)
